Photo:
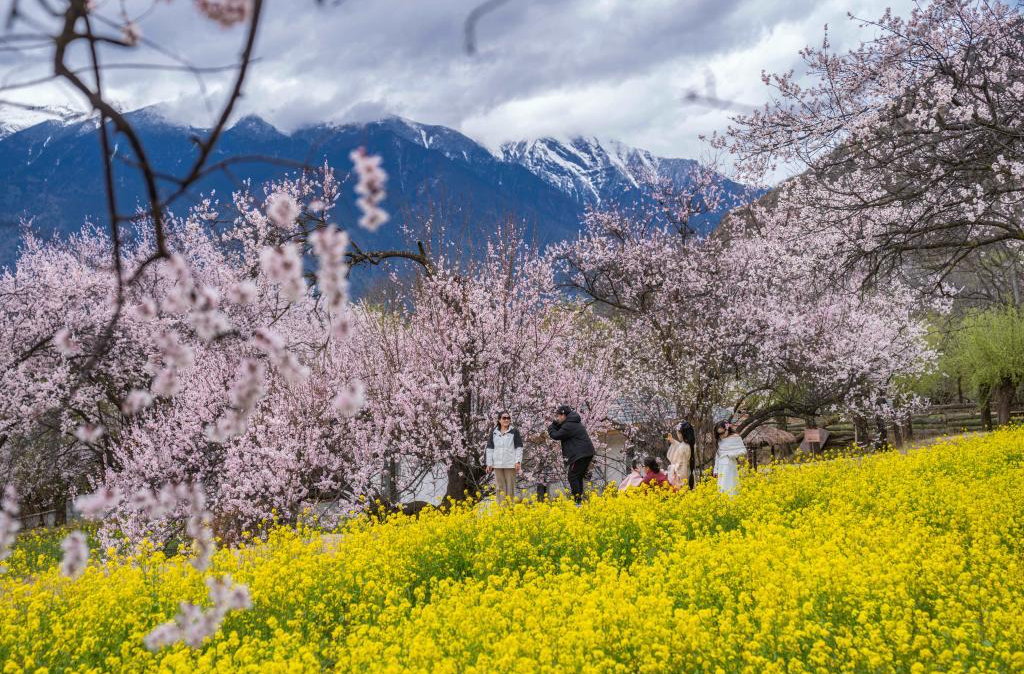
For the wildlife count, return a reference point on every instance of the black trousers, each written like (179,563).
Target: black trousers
(577,471)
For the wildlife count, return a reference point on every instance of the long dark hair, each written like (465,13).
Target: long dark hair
(689,435)
(685,432)
(497,419)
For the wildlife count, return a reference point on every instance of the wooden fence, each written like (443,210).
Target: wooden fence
(935,421)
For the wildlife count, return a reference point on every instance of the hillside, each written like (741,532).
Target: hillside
(886,563)
(51,173)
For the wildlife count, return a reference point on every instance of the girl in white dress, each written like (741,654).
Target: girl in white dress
(730,449)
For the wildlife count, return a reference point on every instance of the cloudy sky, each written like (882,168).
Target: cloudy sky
(610,68)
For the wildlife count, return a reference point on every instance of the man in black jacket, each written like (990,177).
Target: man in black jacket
(577,449)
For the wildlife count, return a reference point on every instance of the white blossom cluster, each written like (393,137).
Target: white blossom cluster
(283,266)
(370,188)
(246,392)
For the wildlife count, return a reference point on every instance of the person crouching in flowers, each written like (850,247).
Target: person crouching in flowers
(504,457)
(635,477)
(730,449)
(680,456)
(653,475)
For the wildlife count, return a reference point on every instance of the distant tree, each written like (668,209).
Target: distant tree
(464,345)
(989,349)
(742,322)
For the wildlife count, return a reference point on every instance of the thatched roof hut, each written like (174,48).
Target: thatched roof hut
(769,436)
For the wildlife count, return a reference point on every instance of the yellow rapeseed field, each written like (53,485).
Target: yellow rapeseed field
(886,563)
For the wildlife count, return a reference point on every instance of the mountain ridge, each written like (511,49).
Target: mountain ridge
(51,172)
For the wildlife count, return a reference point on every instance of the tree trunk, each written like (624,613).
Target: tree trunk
(897,436)
(985,399)
(391,481)
(861,432)
(463,480)
(706,447)
(908,429)
(960,390)
(883,437)
(1003,395)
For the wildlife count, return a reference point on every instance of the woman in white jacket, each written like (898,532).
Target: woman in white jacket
(504,457)
(730,449)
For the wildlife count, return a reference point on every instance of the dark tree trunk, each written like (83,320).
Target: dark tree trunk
(391,482)
(985,398)
(960,390)
(897,435)
(862,434)
(908,429)
(463,480)
(1003,396)
(883,437)
(706,447)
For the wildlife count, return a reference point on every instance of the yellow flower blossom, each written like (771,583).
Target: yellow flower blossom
(880,563)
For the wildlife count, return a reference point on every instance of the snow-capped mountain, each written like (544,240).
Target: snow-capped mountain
(52,175)
(588,169)
(16,118)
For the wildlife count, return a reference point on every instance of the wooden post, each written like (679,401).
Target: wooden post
(897,435)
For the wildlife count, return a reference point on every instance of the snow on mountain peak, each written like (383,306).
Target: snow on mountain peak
(14,118)
(588,168)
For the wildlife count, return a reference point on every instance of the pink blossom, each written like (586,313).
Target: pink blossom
(283,210)
(175,352)
(131,33)
(136,401)
(351,399)
(243,292)
(94,506)
(283,266)
(167,383)
(65,343)
(146,309)
(192,625)
(225,12)
(246,392)
(90,432)
(330,244)
(370,188)
(273,345)
(76,554)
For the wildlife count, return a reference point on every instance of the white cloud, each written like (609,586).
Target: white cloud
(610,68)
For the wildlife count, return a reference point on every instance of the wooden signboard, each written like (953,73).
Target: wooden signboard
(812,435)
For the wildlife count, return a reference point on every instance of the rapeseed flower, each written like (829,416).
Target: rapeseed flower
(878,563)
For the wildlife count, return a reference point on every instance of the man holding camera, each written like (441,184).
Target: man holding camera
(577,449)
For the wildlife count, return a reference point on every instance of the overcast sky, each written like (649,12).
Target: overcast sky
(611,68)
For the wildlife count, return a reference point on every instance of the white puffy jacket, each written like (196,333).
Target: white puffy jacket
(504,449)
